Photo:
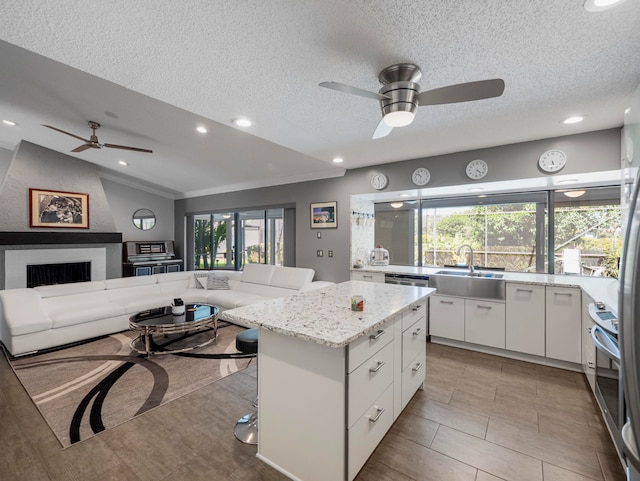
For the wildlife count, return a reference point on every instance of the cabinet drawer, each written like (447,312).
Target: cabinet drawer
(412,377)
(365,435)
(365,384)
(363,348)
(414,313)
(414,341)
(367,276)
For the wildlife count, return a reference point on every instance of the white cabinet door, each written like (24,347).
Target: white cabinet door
(525,318)
(367,276)
(564,324)
(484,322)
(446,317)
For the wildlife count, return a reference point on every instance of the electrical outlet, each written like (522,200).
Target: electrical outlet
(330,253)
(319,235)
(319,253)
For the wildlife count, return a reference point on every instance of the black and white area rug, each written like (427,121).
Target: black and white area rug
(87,388)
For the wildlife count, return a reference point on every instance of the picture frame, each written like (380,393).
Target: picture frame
(324,215)
(57,209)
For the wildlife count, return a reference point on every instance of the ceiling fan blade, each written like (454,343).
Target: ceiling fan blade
(64,132)
(81,148)
(482,89)
(353,90)
(382,130)
(124,147)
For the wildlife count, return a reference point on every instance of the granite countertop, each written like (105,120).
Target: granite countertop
(324,315)
(603,289)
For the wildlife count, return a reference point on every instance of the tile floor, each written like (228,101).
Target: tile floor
(480,418)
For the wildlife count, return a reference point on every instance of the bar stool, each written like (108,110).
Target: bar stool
(246,429)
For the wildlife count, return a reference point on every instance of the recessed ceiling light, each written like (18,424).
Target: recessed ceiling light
(567,181)
(600,5)
(574,193)
(573,120)
(481,196)
(405,195)
(396,205)
(122,162)
(338,160)
(475,189)
(9,122)
(242,122)
(202,129)
(627,110)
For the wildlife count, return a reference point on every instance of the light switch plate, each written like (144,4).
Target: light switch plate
(320,253)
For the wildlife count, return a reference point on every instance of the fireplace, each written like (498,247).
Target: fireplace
(62,273)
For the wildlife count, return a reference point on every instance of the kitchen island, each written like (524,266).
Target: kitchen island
(332,380)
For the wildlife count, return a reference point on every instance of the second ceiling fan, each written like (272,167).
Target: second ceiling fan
(400,95)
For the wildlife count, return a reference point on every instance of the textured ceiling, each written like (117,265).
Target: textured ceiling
(163,67)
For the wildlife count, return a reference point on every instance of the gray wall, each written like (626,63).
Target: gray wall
(590,152)
(124,201)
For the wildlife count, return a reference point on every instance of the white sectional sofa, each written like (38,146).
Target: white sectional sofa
(51,316)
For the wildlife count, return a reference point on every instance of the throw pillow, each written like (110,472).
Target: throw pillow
(201,280)
(218,282)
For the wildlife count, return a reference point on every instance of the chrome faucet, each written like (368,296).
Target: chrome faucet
(470,256)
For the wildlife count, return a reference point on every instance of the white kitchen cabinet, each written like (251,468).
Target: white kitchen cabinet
(525,318)
(446,317)
(367,276)
(414,350)
(484,322)
(588,346)
(563,337)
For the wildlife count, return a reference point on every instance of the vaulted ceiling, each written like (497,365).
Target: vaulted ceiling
(151,72)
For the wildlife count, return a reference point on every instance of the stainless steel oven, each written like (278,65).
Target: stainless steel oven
(608,385)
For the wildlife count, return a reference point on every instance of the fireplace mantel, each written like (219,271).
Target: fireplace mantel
(48,237)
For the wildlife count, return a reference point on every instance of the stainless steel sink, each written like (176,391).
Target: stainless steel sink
(485,275)
(479,284)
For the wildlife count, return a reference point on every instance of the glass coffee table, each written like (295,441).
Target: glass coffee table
(161,320)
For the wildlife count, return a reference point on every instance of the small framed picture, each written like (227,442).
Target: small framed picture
(50,208)
(324,215)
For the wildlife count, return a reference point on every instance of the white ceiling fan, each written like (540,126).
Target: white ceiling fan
(400,94)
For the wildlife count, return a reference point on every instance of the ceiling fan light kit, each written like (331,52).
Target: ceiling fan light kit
(400,95)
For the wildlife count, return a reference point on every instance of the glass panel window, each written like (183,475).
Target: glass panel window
(587,231)
(212,248)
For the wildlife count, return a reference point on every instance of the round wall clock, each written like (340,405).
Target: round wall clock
(379,181)
(421,176)
(477,169)
(552,160)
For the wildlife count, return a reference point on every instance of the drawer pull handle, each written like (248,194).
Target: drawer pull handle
(367,277)
(591,364)
(377,335)
(377,416)
(417,367)
(377,368)
(562,294)
(417,308)
(446,302)
(483,307)
(524,290)
(417,331)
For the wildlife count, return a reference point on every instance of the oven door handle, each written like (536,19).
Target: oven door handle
(605,343)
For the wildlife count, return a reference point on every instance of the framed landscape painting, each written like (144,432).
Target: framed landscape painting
(324,215)
(50,208)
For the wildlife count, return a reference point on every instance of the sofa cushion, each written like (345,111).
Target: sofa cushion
(124,296)
(137,304)
(123,282)
(24,312)
(264,291)
(257,273)
(292,277)
(72,288)
(82,313)
(173,277)
(232,299)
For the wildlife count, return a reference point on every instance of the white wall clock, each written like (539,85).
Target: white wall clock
(477,169)
(379,181)
(552,160)
(421,176)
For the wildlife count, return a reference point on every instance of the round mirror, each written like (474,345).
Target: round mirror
(144,219)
